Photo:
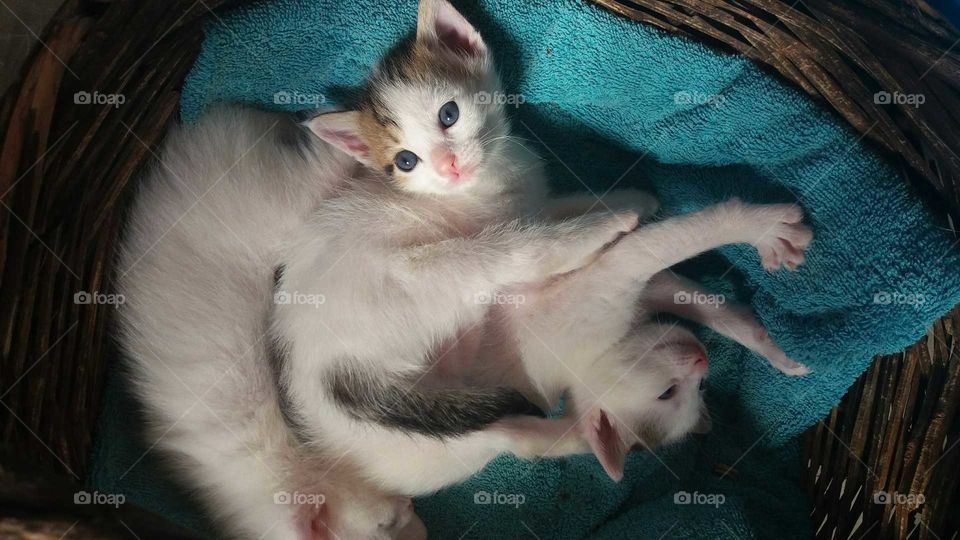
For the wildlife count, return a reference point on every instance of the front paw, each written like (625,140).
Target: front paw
(622,222)
(643,203)
(781,236)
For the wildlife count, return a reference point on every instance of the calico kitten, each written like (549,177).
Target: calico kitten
(196,272)
(393,262)
(400,266)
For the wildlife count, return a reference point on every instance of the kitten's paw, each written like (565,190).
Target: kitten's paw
(624,221)
(777,358)
(782,238)
(643,203)
(591,235)
(788,366)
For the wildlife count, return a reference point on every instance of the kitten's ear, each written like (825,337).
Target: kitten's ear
(342,130)
(312,522)
(439,24)
(604,439)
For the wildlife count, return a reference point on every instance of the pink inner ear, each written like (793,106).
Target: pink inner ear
(605,441)
(455,33)
(312,522)
(458,42)
(347,141)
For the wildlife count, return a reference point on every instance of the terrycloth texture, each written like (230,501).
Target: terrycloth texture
(612,102)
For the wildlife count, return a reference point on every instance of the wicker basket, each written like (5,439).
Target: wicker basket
(65,169)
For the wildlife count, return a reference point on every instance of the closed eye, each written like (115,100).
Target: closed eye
(668,393)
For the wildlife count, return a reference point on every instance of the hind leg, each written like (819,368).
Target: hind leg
(682,297)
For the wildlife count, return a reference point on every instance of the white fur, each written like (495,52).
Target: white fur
(393,271)
(390,314)
(399,265)
(400,268)
(196,273)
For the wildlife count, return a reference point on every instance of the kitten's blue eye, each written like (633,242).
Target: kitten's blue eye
(669,393)
(405,160)
(449,113)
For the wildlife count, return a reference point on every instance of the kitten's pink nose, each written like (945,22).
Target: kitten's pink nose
(445,163)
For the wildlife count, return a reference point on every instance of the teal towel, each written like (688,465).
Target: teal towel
(611,102)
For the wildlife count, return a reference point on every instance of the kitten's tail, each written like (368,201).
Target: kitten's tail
(440,413)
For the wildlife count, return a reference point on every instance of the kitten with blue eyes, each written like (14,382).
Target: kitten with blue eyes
(446,207)
(407,260)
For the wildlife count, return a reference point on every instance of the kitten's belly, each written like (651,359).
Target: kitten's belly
(482,354)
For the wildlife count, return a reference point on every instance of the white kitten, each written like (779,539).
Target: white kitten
(196,269)
(630,381)
(585,334)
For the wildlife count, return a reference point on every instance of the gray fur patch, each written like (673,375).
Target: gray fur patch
(436,413)
(291,418)
(294,136)
(276,358)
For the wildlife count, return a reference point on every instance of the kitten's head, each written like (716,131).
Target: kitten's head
(428,118)
(650,390)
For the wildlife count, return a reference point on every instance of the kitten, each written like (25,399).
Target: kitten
(213,222)
(196,273)
(629,383)
(590,335)
(386,276)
